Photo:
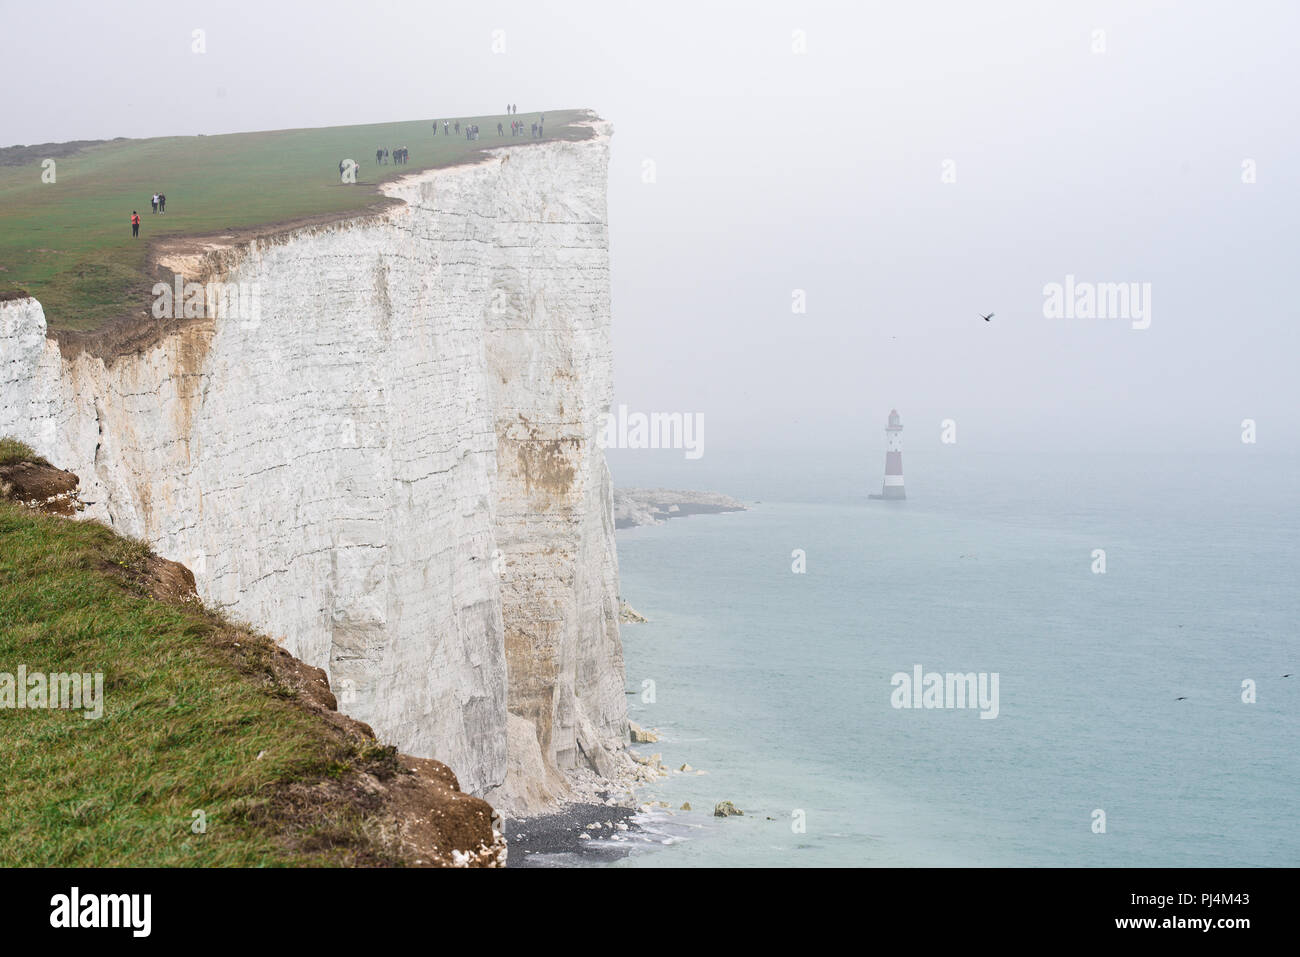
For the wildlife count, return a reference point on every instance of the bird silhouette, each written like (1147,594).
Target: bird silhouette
(988,317)
(1184,698)
(1287,676)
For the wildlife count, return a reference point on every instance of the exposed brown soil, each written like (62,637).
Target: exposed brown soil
(162,580)
(416,813)
(41,486)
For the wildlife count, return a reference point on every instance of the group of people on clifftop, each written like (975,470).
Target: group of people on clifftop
(472,130)
(157,202)
(398,156)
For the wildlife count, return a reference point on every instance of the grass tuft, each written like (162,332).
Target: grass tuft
(12,451)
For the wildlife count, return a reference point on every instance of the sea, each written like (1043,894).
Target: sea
(1140,612)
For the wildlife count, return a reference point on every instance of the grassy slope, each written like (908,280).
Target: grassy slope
(69,243)
(186,713)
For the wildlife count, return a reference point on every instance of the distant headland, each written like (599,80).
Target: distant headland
(654,506)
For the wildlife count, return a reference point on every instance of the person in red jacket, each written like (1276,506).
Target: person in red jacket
(135,224)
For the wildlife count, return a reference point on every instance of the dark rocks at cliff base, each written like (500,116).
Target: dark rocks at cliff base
(579,834)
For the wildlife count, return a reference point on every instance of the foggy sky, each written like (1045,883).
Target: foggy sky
(821,171)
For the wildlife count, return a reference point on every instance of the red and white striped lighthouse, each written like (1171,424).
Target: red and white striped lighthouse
(893,487)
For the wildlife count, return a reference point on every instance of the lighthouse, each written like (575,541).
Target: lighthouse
(893,487)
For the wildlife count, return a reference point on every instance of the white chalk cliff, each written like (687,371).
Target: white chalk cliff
(394,471)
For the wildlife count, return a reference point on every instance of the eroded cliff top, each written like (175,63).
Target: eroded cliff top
(65,234)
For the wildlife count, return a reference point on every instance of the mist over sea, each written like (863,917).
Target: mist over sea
(778,684)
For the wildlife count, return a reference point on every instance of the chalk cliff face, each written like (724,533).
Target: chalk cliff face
(393,468)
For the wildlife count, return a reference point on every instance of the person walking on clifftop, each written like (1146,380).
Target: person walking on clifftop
(135,224)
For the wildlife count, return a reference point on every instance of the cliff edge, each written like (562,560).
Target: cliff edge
(391,467)
(148,731)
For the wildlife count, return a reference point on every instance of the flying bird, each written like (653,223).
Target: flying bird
(1180,699)
(988,317)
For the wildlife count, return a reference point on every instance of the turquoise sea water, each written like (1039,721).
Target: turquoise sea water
(778,684)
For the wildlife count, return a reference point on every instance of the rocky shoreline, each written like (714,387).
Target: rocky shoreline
(634,507)
(598,824)
(580,833)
